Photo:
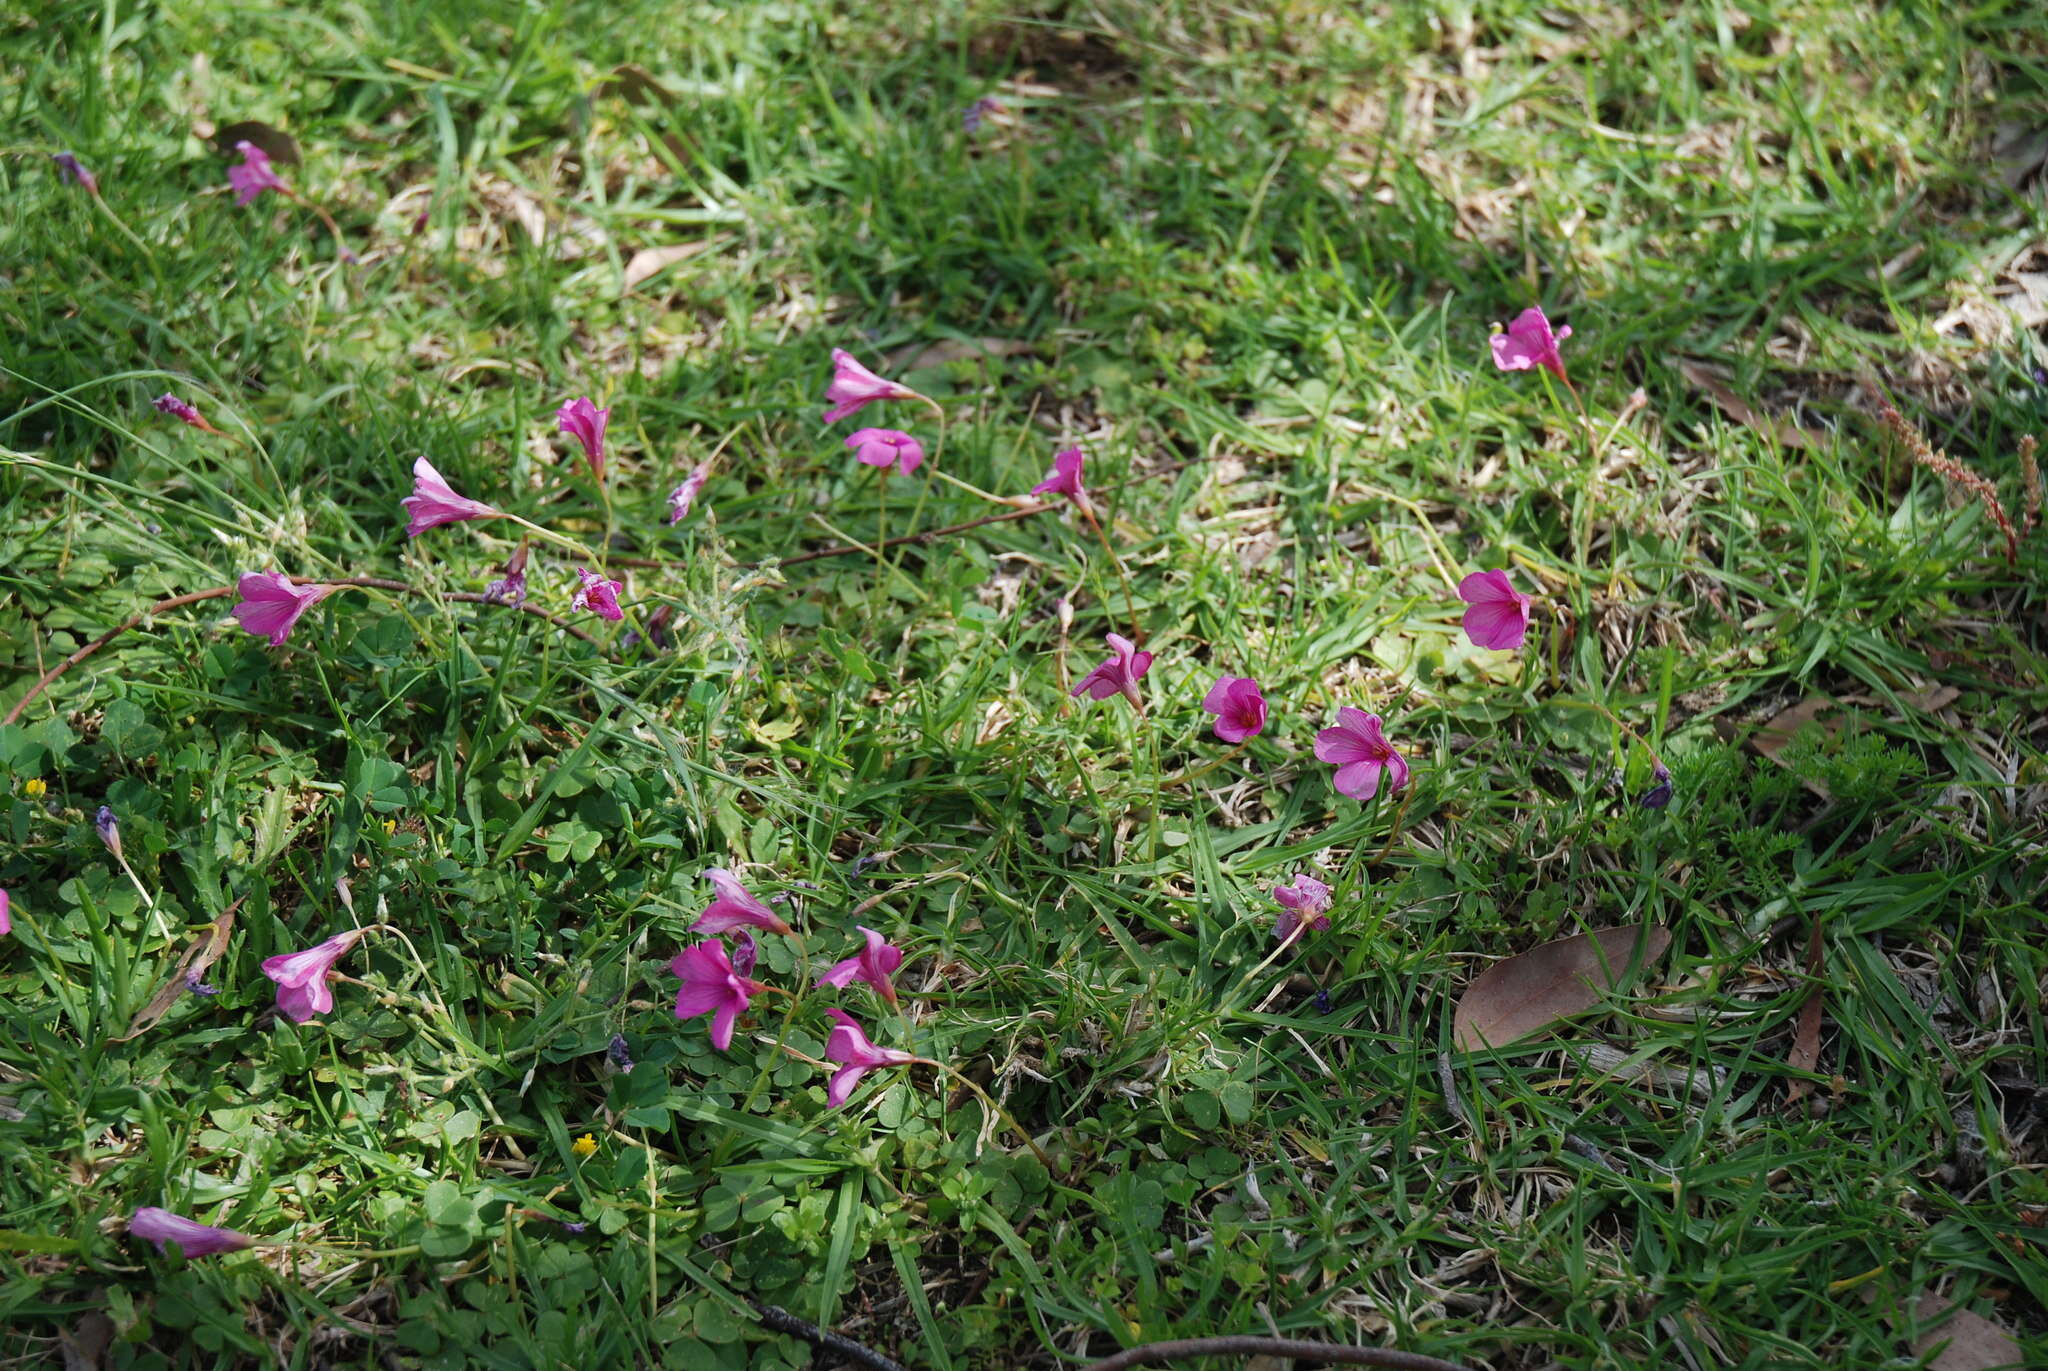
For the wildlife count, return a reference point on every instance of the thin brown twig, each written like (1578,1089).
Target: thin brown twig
(216,592)
(1253,1345)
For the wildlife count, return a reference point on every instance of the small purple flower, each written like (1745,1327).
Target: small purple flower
(433,502)
(585,422)
(1304,904)
(881,447)
(735,907)
(1529,342)
(621,1057)
(745,952)
(75,171)
(194,1239)
(301,977)
(1659,794)
(6,913)
(1066,477)
(854,387)
(170,404)
(270,605)
(1358,745)
(252,176)
(1120,674)
(509,589)
(711,986)
(683,496)
(850,1046)
(971,117)
(1239,708)
(874,964)
(568,1227)
(1499,615)
(197,986)
(597,595)
(109,829)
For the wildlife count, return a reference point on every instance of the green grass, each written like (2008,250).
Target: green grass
(1251,256)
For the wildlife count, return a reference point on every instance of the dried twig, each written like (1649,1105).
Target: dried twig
(778,1320)
(1954,472)
(1252,1345)
(217,592)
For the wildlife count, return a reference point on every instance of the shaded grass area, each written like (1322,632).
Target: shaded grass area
(1248,259)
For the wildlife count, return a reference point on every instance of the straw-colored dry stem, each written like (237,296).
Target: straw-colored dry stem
(1953,472)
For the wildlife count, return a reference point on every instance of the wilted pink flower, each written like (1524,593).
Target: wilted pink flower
(509,589)
(1361,753)
(711,986)
(735,907)
(1528,342)
(194,1239)
(170,404)
(597,594)
(271,604)
(848,1044)
(854,387)
(585,422)
(874,964)
(880,447)
(971,117)
(75,170)
(1499,614)
(302,976)
(433,502)
(1120,674)
(253,175)
(1066,477)
(1239,708)
(745,952)
(6,913)
(1305,903)
(683,496)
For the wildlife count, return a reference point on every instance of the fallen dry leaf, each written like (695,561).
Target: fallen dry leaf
(918,356)
(1533,990)
(275,143)
(635,85)
(1805,1054)
(1975,1343)
(204,952)
(1777,735)
(85,1346)
(652,261)
(1715,384)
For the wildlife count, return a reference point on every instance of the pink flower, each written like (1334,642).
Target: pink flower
(849,1045)
(253,176)
(854,387)
(874,964)
(1066,477)
(193,1239)
(271,604)
(302,976)
(711,986)
(735,907)
(170,404)
(1361,753)
(683,496)
(1499,614)
(597,594)
(1120,674)
(75,170)
(1304,904)
(1528,342)
(433,502)
(585,422)
(879,447)
(6,913)
(1239,708)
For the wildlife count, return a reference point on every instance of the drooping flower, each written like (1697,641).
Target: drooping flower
(745,952)
(854,387)
(1066,477)
(874,964)
(711,986)
(74,170)
(1120,674)
(1499,615)
(1359,748)
(108,826)
(735,907)
(1303,904)
(881,447)
(1239,708)
(683,496)
(270,605)
(585,422)
(972,116)
(1529,342)
(433,502)
(6,913)
(198,986)
(252,176)
(510,587)
(193,1238)
(850,1046)
(1656,797)
(170,404)
(620,1052)
(301,977)
(597,594)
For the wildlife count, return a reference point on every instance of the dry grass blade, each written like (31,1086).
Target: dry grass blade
(650,262)
(1535,989)
(1805,1054)
(1715,385)
(203,953)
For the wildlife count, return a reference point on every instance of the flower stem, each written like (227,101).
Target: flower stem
(1205,768)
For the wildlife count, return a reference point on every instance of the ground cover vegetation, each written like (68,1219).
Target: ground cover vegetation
(1400,704)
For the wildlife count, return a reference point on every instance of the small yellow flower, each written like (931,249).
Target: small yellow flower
(390,827)
(35,787)
(584,1146)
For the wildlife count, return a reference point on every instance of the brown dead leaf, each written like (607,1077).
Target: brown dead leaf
(1975,1343)
(85,1346)
(1805,1054)
(275,143)
(918,356)
(1715,384)
(653,261)
(635,85)
(1774,737)
(1535,989)
(204,952)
